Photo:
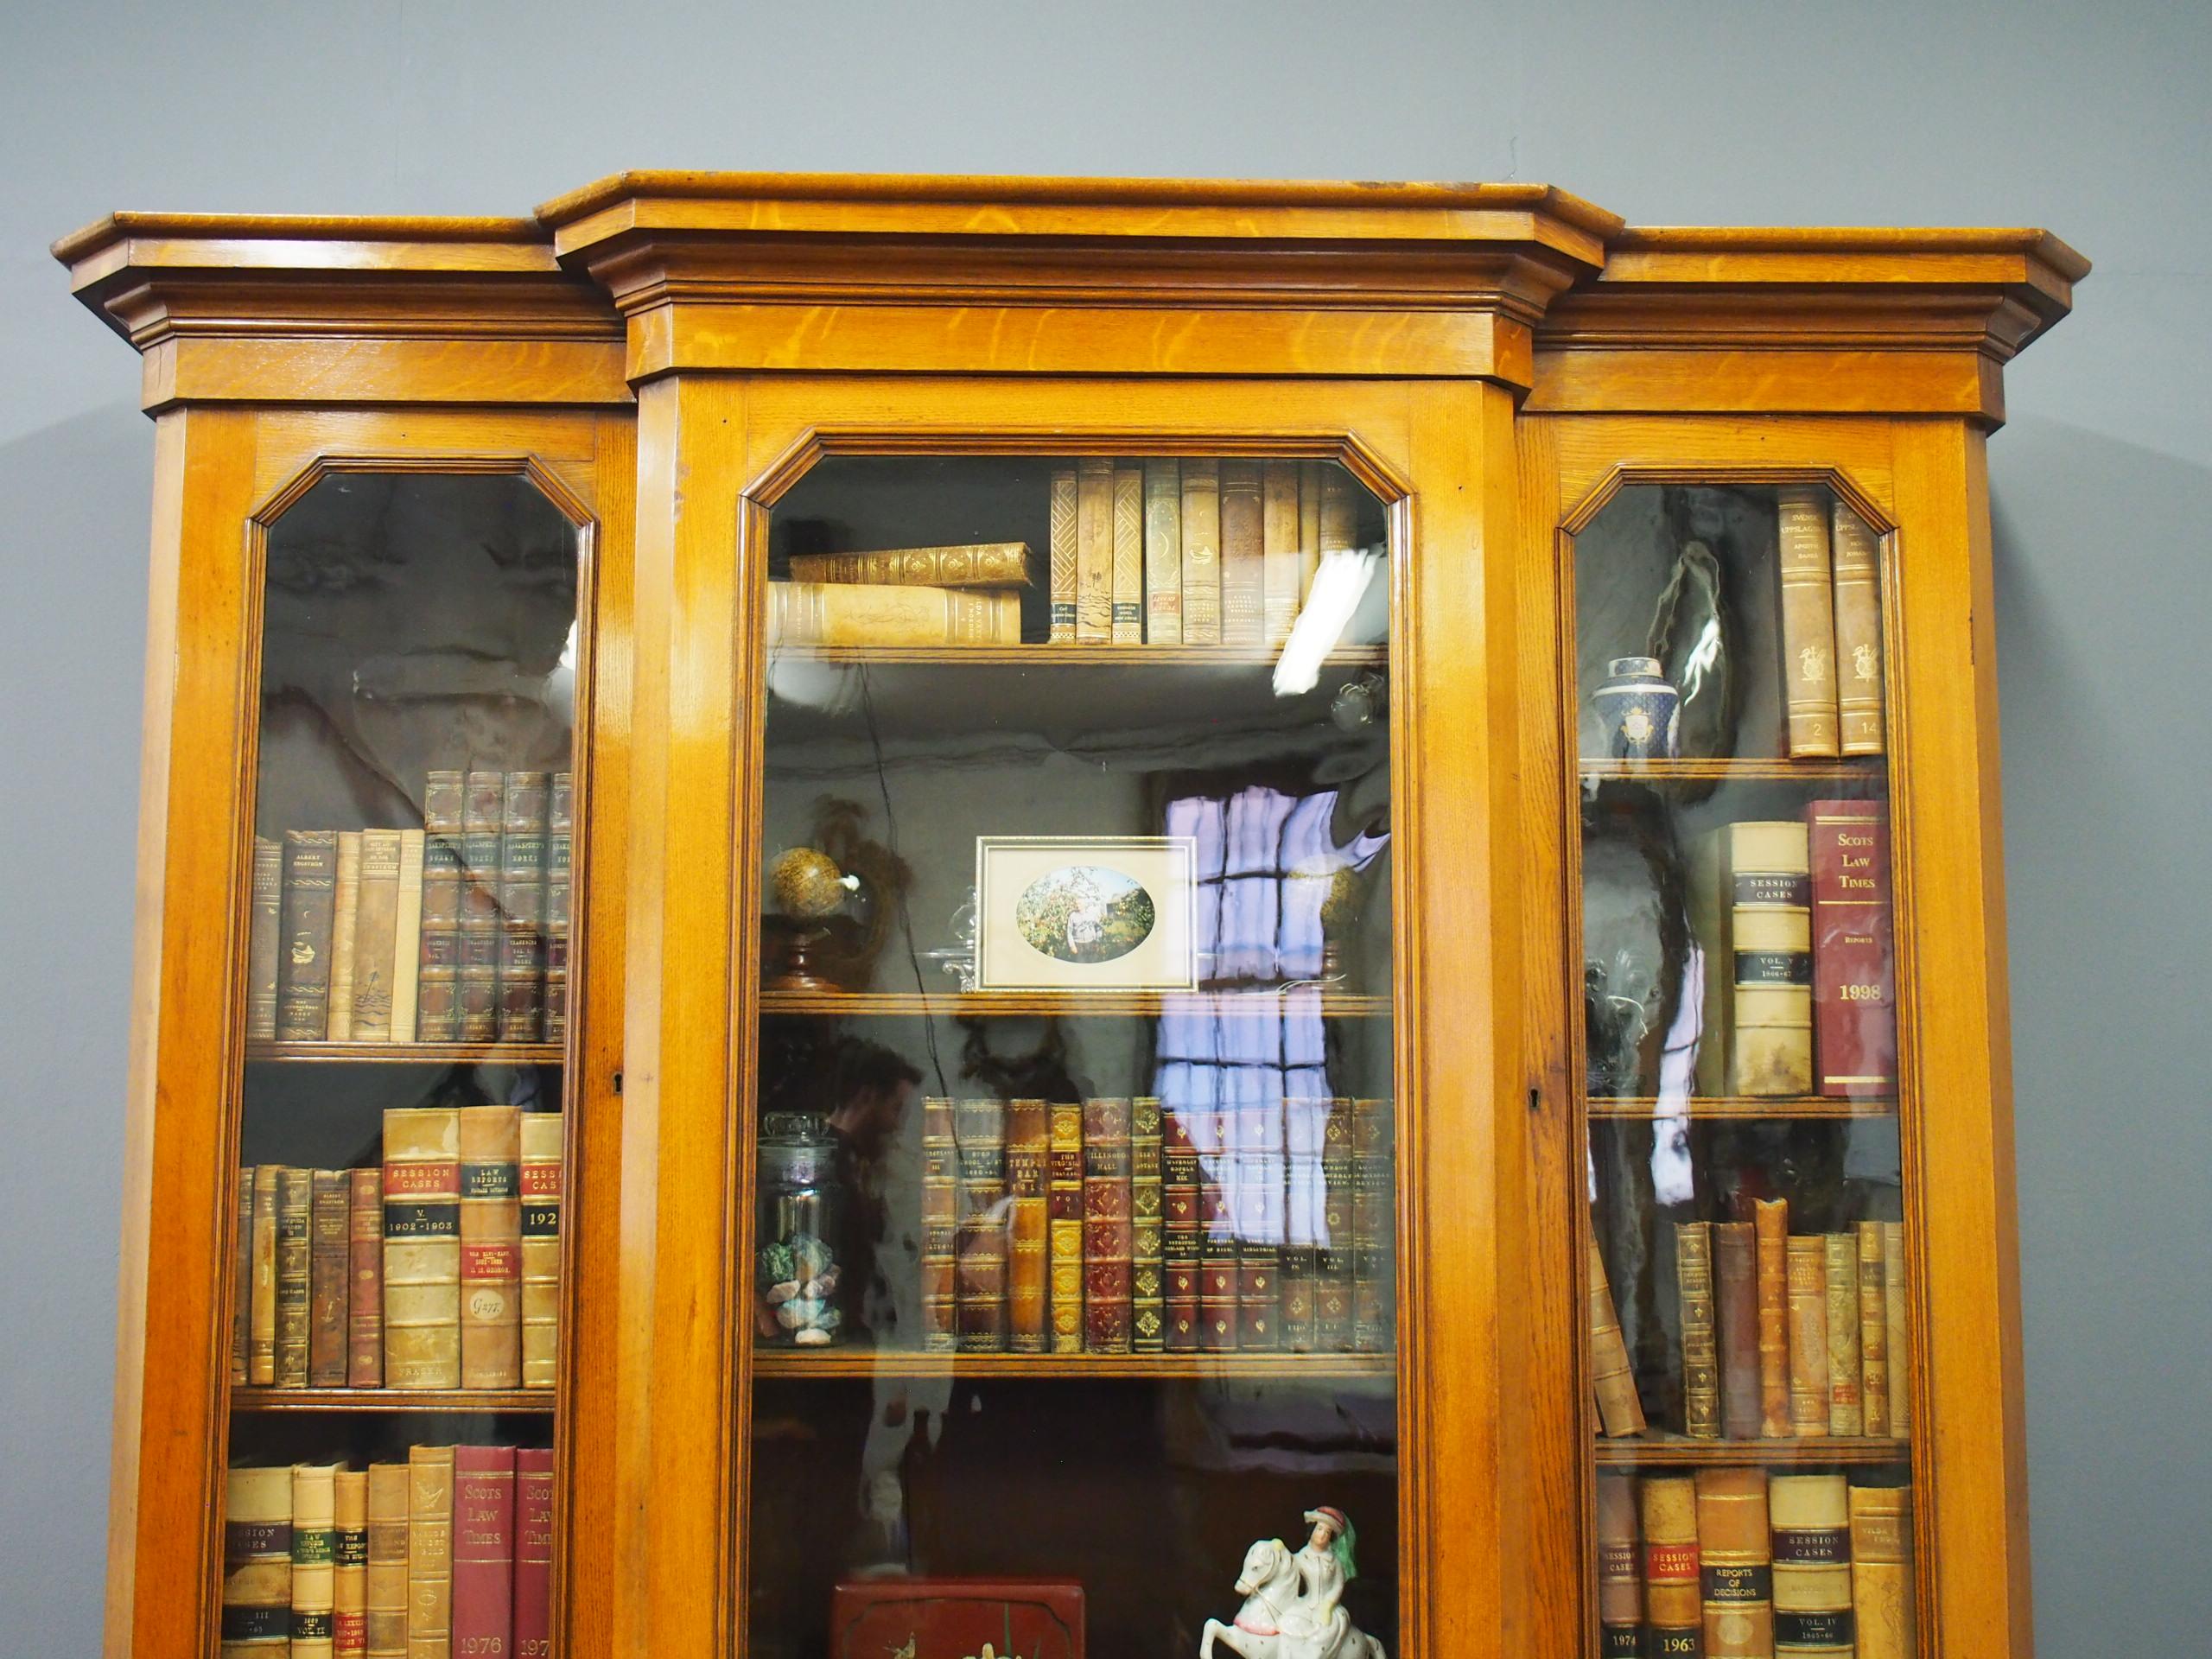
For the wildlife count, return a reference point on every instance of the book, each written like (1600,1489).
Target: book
(1255,1180)
(345,929)
(422,1246)
(1128,624)
(1807,620)
(1674,1604)
(1339,523)
(376,938)
(1873,1330)
(1064,1223)
(256,1564)
(407,939)
(483,1547)
(1243,582)
(1181,1227)
(560,848)
(330,1272)
(315,1558)
(483,806)
(1620,1412)
(1332,1261)
(349,1589)
(1840,1267)
(1374,1230)
(1857,631)
(539,1173)
(522,906)
(1094,551)
(1810,1529)
(261,1332)
(1881,1572)
(877,613)
(1620,1578)
(1218,1316)
(1893,1287)
(387,1575)
(1282,566)
(295,1262)
(1309,528)
(940,1219)
(1062,578)
(1163,554)
(1109,1241)
(242,1280)
(1302,1220)
(1700,1346)
(303,961)
(437,997)
(979,1274)
(1809,1336)
(490,1139)
(365,1279)
(977,564)
(264,921)
(1853,976)
(1736,1313)
(1147,1238)
(1028,1146)
(1770,1221)
(1770,958)
(533,1607)
(1201,481)
(430,1552)
(1735,1563)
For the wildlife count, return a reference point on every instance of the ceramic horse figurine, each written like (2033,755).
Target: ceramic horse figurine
(1291,1608)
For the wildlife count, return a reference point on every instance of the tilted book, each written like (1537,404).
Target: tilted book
(1108,1236)
(1620,1412)
(1873,1330)
(330,1272)
(1857,632)
(315,1558)
(256,1564)
(422,1246)
(265,920)
(940,1219)
(1809,1336)
(1700,1345)
(1063,555)
(1028,1144)
(349,1593)
(1128,556)
(856,613)
(345,929)
(539,1172)
(1201,480)
(1674,1602)
(483,1550)
(1811,1535)
(1282,566)
(387,1576)
(1064,1223)
(1807,621)
(1854,967)
(1620,1574)
(430,1552)
(491,1246)
(1881,1572)
(304,961)
(1770,1221)
(295,1262)
(1094,551)
(1735,1563)
(365,1279)
(978,565)
(376,936)
(1163,554)
(1243,581)
(1736,1314)
(1841,1265)
(533,1614)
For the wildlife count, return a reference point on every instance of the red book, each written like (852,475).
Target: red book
(483,1551)
(534,1553)
(1036,1618)
(365,1250)
(1854,969)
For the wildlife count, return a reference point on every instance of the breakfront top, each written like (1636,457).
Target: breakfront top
(956,916)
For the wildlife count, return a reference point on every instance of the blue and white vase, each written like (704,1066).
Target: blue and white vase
(1641,708)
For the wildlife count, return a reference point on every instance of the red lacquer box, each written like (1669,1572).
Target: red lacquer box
(953,1618)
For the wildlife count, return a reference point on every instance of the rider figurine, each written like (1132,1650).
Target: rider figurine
(1325,1565)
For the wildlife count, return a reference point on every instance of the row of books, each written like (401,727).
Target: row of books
(441,1269)
(1782,1336)
(454,932)
(450,1554)
(1831,625)
(1108,1226)
(1739,1564)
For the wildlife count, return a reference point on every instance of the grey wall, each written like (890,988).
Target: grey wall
(2090,118)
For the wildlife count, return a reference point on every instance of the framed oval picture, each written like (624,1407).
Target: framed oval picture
(1074,913)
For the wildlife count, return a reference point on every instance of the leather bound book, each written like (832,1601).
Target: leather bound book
(560,851)
(1163,554)
(1736,1312)
(407,939)
(1674,1602)
(1854,970)
(521,906)
(1857,631)
(376,936)
(1094,551)
(365,1278)
(387,1579)
(1807,620)
(940,1212)
(539,1172)
(303,957)
(1873,1331)
(1218,1275)
(1309,527)
(1374,1235)
(491,1246)
(1620,1411)
(1028,1149)
(477,976)
(242,1280)
(295,1274)
(533,1614)
(345,930)
(1340,511)
(1735,1564)
(330,1272)
(438,1002)
(1812,1566)
(979,564)
(1128,556)
(315,1558)
(260,1330)
(1181,1280)
(483,1550)
(980,1273)
(1201,482)
(430,1552)
(1620,1574)
(1809,1336)
(1259,1295)
(1770,1221)
(264,921)
(1064,1223)
(1108,1233)
(349,1594)
(1147,1222)
(1281,568)
(1063,576)
(1893,1287)
(1840,1267)
(422,1246)
(1243,582)
(1700,1346)
(257,1564)
(1332,1261)
(520,1005)
(1881,1572)
(875,613)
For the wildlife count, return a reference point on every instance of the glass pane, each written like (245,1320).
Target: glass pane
(1074,1193)
(393,1358)
(1748,1288)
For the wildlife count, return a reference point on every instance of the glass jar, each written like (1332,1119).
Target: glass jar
(801,1221)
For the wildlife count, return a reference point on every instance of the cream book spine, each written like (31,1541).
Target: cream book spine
(345,935)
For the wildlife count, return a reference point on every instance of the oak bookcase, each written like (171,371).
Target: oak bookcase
(620,415)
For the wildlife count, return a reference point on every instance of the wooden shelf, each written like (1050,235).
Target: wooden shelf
(1857,769)
(1045,656)
(1714,1110)
(450,1400)
(1260,1004)
(1672,1451)
(409,1053)
(791,1362)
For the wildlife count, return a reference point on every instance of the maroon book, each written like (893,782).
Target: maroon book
(1854,973)
(483,1549)
(1036,1618)
(533,1616)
